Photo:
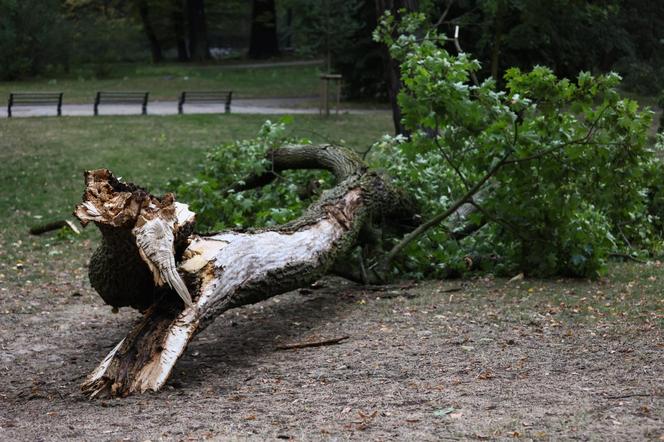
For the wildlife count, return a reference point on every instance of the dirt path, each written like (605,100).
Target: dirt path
(433,361)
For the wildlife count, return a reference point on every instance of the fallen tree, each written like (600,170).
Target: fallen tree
(149,258)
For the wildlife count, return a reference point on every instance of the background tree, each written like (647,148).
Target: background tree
(33,36)
(155,46)
(391,67)
(263,41)
(199,48)
(326,27)
(178,24)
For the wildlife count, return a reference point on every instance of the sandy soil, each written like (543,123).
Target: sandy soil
(432,361)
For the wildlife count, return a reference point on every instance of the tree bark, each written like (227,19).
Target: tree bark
(177,21)
(155,46)
(497,40)
(263,42)
(149,259)
(199,48)
(391,66)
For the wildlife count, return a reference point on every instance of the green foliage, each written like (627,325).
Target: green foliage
(225,166)
(33,37)
(324,27)
(573,183)
(100,41)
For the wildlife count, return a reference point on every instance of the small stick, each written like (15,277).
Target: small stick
(628,396)
(55,225)
(312,344)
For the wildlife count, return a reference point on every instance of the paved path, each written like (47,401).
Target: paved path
(265,106)
(276,64)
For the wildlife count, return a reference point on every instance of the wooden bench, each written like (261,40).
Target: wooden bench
(122,97)
(206,97)
(34,99)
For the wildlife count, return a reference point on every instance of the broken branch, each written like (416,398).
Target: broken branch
(55,225)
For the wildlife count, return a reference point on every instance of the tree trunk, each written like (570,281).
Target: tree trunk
(391,67)
(199,48)
(155,46)
(497,39)
(177,20)
(263,42)
(149,259)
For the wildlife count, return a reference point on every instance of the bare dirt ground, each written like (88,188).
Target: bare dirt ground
(455,360)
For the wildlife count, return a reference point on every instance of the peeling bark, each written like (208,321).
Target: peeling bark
(150,260)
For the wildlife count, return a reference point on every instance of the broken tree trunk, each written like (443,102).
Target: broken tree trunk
(150,260)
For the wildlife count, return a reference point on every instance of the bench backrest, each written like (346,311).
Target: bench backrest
(121,97)
(205,97)
(34,99)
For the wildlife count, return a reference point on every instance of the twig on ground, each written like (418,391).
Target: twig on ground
(627,257)
(323,343)
(625,396)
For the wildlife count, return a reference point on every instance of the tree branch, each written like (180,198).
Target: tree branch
(476,188)
(310,157)
(443,16)
(448,158)
(442,216)
(458,47)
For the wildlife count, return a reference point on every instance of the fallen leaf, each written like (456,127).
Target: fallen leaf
(443,411)
(486,375)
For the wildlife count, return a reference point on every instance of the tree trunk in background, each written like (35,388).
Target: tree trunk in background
(155,46)
(198,40)
(263,42)
(177,20)
(392,71)
(497,37)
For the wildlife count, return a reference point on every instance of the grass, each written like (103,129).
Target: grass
(42,159)
(166,81)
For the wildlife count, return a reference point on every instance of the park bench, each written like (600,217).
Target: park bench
(122,97)
(206,97)
(34,99)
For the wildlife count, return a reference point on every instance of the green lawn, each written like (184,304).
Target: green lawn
(42,159)
(165,81)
